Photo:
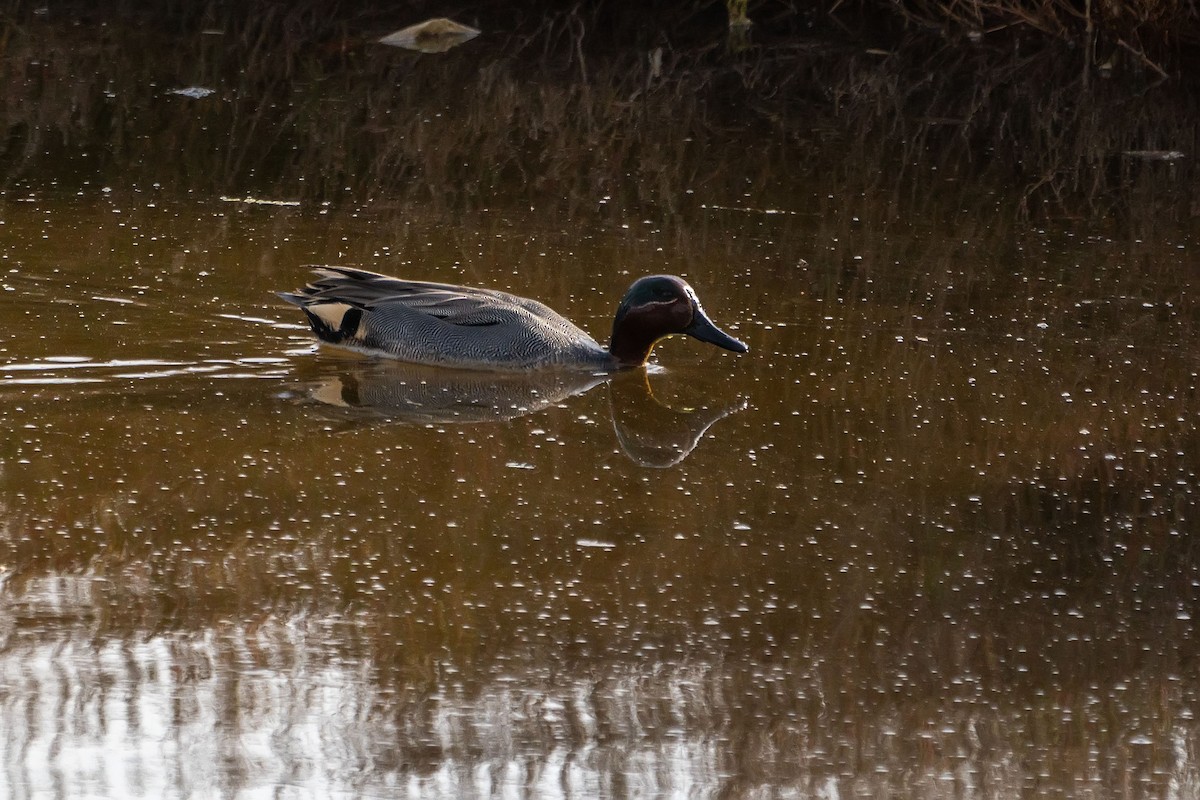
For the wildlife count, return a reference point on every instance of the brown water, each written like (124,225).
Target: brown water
(932,537)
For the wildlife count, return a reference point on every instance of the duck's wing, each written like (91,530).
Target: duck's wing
(438,323)
(453,305)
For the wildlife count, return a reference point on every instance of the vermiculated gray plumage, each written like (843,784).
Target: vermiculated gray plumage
(436,323)
(459,326)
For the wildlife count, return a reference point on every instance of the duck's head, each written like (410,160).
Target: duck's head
(658,306)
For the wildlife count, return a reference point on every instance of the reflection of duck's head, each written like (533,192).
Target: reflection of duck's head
(653,432)
(658,306)
(656,434)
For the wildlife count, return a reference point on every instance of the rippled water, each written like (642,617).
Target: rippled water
(932,536)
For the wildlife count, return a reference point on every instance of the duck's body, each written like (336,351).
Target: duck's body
(460,326)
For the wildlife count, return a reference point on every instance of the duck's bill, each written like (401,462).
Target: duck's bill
(703,329)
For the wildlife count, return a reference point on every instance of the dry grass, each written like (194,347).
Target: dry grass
(557,113)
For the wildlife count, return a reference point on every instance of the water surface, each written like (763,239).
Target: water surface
(931,537)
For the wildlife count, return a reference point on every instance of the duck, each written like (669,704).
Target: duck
(441,324)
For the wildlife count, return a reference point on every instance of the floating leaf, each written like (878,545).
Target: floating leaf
(194,92)
(431,36)
(258,201)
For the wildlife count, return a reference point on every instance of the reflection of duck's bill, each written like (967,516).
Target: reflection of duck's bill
(703,329)
(656,434)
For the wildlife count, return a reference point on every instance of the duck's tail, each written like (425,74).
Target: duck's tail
(332,321)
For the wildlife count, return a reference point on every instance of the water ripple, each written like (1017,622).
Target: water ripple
(57,370)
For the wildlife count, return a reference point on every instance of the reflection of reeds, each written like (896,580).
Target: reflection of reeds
(1132,28)
(556,113)
(680,724)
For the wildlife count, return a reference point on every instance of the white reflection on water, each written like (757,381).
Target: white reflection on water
(77,362)
(152,717)
(272,707)
(44,372)
(166,717)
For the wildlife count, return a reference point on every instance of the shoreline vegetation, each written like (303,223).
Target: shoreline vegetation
(1039,110)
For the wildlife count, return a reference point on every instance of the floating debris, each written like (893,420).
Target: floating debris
(766,211)
(595,543)
(258,201)
(1154,155)
(431,36)
(194,92)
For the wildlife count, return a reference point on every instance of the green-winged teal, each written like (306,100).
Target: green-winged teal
(458,326)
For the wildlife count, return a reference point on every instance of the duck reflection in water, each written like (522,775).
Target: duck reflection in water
(650,432)
(656,433)
(458,354)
